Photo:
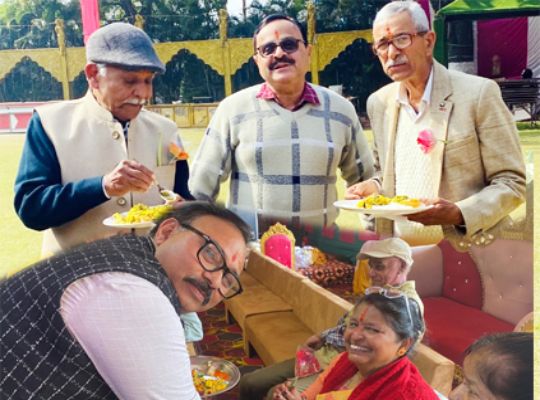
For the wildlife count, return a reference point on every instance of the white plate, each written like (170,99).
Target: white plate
(111,222)
(390,210)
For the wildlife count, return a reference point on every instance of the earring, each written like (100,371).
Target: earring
(401,352)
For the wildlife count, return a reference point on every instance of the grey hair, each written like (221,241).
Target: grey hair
(102,69)
(414,9)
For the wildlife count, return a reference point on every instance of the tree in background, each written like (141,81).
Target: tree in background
(168,20)
(187,79)
(356,69)
(30,24)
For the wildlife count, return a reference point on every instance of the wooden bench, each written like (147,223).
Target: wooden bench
(521,93)
(282,308)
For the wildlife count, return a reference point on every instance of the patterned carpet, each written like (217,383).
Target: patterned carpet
(225,340)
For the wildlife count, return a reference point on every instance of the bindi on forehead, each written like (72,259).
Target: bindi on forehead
(386,34)
(277,35)
(362,316)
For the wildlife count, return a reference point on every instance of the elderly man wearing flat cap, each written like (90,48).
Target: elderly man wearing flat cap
(85,159)
(390,261)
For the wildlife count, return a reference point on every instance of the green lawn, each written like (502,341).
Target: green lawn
(21,246)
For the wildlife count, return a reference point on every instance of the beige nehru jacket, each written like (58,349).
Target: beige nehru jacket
(89,142)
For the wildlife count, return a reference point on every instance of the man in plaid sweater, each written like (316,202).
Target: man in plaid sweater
(282,142)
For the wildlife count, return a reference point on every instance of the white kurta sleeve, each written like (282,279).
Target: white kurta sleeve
(131,333)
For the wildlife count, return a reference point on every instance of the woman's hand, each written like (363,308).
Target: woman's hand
(314,342)
(286,391)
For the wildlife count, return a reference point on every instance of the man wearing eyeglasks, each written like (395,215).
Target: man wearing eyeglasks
(441,135)
(282,142)
(101,321)
(390,261)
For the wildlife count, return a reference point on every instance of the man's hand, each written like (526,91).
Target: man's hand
(178,202)
(443,212)
(314,342)
(362,189)
(128,176)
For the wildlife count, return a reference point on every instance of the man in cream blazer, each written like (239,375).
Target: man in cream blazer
(440,135)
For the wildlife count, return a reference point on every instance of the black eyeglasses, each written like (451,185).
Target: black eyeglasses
(391,293)
(400,42)
(288,45)
(212,259)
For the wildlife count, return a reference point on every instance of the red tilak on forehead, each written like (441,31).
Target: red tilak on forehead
(276,35)
(363,315)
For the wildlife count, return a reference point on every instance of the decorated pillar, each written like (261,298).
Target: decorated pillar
(312,40)
(225,50)
(61,38)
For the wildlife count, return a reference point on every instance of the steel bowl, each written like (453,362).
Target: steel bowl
(202,363)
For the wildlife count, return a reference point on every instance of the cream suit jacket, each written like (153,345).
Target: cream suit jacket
(481,166)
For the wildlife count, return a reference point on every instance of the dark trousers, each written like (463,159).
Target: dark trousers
(255,385)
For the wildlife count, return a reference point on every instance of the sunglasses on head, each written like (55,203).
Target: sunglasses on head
(288,45)
(391,293)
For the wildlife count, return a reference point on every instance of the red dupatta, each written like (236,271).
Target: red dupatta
(398,380)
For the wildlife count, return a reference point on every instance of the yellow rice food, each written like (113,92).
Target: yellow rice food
(208,384)
(381,200)
(142,213)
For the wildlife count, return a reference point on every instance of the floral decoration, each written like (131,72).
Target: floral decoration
(427,141)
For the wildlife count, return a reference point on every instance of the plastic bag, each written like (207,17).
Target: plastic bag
(306,363)
(303,257)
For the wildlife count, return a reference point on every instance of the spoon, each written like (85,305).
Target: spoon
(166,194)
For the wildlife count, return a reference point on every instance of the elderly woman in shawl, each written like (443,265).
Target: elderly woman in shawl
(383,328)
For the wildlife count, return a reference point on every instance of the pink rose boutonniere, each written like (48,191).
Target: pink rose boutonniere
(427,141)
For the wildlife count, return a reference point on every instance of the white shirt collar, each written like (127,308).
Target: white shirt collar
(403,99)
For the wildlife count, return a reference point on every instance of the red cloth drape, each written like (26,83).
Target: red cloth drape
(426,6)
(399,380)
(505,38)
(90,17)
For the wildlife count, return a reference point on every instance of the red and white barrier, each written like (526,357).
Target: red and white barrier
(14,117)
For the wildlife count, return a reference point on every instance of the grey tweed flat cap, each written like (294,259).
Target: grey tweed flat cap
(125,46)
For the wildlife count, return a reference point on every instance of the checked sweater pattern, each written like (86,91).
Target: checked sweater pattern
(282,164)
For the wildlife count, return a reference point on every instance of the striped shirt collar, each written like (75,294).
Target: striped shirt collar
(309,95)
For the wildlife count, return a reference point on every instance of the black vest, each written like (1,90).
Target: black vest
(38,357)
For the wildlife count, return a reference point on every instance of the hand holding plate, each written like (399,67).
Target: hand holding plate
(442,212)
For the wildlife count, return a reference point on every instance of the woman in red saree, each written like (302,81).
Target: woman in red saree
(384,326)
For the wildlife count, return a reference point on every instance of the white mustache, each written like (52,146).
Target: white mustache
(401,59)
(136,102)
